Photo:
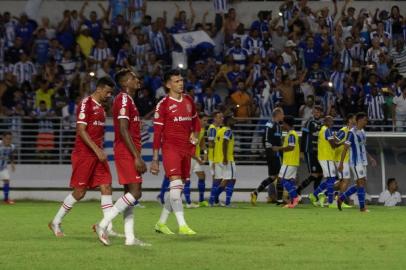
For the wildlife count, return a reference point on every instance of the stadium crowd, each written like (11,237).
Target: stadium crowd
(344,59)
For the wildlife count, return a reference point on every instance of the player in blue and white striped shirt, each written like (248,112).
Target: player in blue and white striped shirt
(6,155)
(356,144)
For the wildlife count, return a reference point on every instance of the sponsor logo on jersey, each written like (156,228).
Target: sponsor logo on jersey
(98,123)
(182,119)
(173,107)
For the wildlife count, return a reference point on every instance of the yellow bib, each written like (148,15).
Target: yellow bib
(291,158)
(324,149)
(230,146)
(199,140)
(339,150)
(218,145)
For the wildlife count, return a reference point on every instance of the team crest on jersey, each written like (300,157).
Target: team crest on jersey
(156,115)
(122,111)
(189,108)
(172,107)
(82,116)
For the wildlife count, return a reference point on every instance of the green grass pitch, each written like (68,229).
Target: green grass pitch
(262,237)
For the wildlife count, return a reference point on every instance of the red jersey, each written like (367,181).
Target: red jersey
(124,108)
(174,121)
(92,114)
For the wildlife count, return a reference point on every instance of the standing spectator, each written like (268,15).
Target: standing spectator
(242,101)
(305,111)
(24,70)
(399,111)
(85,41)
(9,29)
(25,30)
(99,54)
(290,59)
(211,101)
(391,196)
(230,24)
(374,104)
(66,34)
(311,53)
(44,94)
(55,51)
(95,26)
(398,55)
(41,47)
(123,55)
(396,21)
(240,54)
(45,137)
(50,32)
(12,55)
(69,66)
(373,53)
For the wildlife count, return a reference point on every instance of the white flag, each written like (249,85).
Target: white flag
(190,40)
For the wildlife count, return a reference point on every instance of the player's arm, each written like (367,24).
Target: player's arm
(330,138)
(125,134)
(305,134)
(339,138)
(347,145)
(227,137)
(372,160)
(211,136)
(81,130)
(159,120)
(202,145)
(12,164)
(268,137)
(195,126)
(290,146)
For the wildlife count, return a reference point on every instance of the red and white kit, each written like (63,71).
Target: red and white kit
(124,108)
(174,121)
(87,170)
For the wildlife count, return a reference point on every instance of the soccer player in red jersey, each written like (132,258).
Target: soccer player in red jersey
(89,162)
(127,154)
(176,126)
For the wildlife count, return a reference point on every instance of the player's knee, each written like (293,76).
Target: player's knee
(106,190)
(176,187)
(79,194)
(137,194)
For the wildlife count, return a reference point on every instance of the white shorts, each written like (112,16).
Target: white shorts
(4,175)
(211,167)
(288,172)
(359,171)
(346,171)
(226,172)
(328,167)
(196,167)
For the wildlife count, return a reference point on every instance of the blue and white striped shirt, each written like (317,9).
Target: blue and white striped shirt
(138,15)
(337,78)
(100,55)
(375,106)
(220,6)
(357,142)
(240,55)
(346,59)
(6,153)
(122,56)
(210,104)
(158,43)
(24,71)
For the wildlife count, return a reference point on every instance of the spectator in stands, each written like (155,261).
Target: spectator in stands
(41,47)
(398,55)
(399,111)
(55,51)
(290,59)
(374,105)
(44,94)
(12,55)
(25,30)
(305,111)
(65,32)
(211,101)
(45,137)
(93,23)
(391,196)
(242,101)
(240,54)
(85,41)
(24,70)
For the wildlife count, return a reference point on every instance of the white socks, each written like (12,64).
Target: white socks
(121,204)
(129,223)
(106,202)
(166,210)
(176,187)
(65,208)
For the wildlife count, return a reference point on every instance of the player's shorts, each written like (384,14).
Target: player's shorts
(313,165)
(346,170)
(226,172)
(359,171)
(328,167)
(274,162)
(176,162)
(211,167)
(4,174)
(287,172)
(126,171)
(89,172)
(196,167)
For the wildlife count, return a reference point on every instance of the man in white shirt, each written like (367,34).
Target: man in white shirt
(290,58)
(399,111)
(391,196)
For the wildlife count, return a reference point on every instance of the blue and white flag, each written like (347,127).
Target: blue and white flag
(190,40)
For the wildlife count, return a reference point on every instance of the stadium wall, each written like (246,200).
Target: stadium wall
(247,11)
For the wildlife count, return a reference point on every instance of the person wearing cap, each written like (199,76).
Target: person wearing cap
(290,58)
(399,111)
(85,41)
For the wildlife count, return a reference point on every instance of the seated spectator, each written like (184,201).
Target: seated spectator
(391,196)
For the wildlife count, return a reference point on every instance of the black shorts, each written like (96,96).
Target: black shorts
(274,162)
(313,165)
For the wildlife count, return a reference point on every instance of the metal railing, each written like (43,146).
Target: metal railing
(51,140)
